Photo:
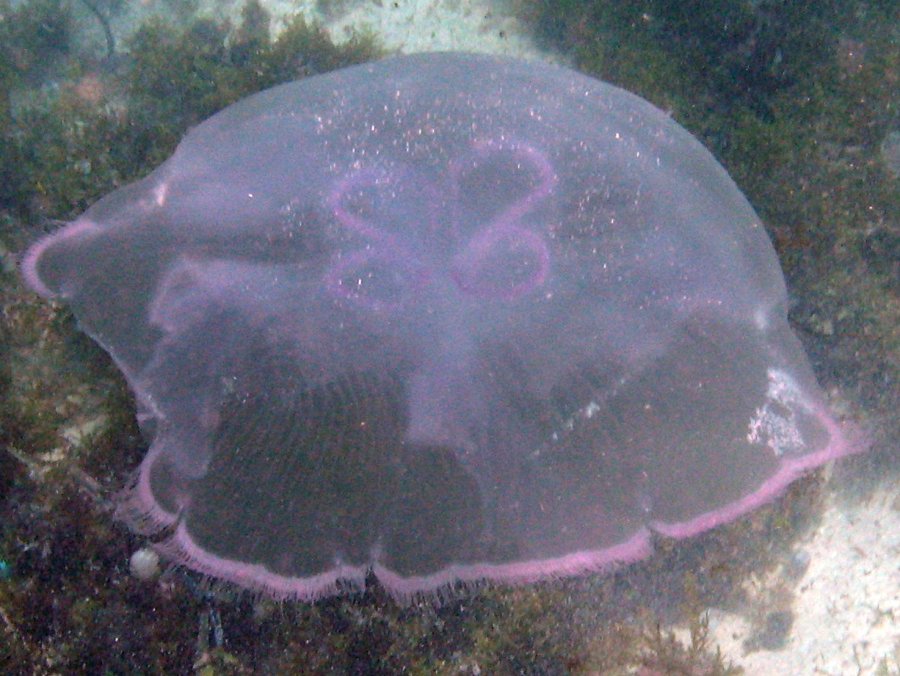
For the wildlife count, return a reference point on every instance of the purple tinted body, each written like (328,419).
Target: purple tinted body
(443,317)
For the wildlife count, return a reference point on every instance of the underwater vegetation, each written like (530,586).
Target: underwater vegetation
(801,138)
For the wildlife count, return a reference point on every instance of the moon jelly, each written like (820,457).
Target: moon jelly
(442,317)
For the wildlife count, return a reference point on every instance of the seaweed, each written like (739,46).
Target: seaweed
(182,76)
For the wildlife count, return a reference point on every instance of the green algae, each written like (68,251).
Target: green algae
(182,77)
(798,133)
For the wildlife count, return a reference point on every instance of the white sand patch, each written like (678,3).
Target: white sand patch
(404,26)
(845,607)
(409,26)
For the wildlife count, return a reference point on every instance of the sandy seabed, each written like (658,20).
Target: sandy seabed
(846,604)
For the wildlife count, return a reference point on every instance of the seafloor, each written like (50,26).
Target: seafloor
(798,100)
